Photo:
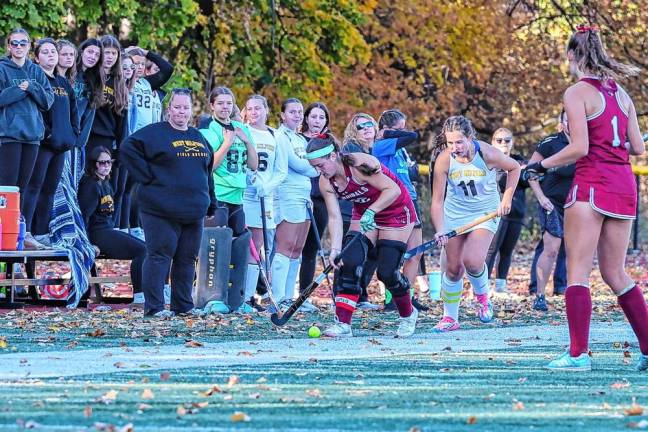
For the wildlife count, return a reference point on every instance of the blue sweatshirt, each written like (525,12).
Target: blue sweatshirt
(389,152)
(174,168)
(62,120)
(20,111)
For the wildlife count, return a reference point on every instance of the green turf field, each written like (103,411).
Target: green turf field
(58,375)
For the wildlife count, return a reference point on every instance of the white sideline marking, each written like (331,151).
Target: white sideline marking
(53,364)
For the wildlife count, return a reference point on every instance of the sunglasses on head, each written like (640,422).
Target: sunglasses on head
(105,162)
(503,140)
(17,43)
(365,125)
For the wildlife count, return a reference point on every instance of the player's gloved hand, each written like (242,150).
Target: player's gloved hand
(534,171)
(367,222)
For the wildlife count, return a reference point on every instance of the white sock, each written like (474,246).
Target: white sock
(451,295)
(251,279)
(280,268)
(292,277)
(479,282)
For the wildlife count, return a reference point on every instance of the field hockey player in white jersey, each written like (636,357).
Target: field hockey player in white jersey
(465,174)
(271,172)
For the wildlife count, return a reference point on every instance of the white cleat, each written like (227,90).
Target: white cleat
(407,325)
(338,330)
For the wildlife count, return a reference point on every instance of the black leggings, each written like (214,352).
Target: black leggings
(309,253)
(118,245)
(16,166)
(229,215)
(39,196)
(503,243)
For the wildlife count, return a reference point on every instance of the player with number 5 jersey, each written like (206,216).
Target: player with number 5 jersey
(464,189)
(234,155)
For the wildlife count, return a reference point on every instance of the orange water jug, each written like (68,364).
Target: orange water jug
(10,216)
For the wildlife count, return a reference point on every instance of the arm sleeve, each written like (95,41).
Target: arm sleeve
(280,169)
(11,95)
(166,70)
(41,92)
(74,109)
(88,197)
(295,163)
(403,138)
(133,156)
(122,126)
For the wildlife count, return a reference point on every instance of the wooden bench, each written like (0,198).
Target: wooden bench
(30,260)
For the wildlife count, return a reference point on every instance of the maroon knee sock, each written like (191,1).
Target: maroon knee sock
(345,304)
(634,307)
(403,304)
(579,312)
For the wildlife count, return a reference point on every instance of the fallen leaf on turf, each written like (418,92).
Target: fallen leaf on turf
(616,345)
(606,406)
(635,409)
(109,396)
(144,407)
(471,420)
(181,411)
(164,376)
(627,354)
(522,380)
(518,406)
(87,412)
(245,354)
(147,394)
(200,404)
(120,365)
(212,390)
(193,344)
(233,380)
(314,393)
(3,343)
(126,428)
(254,395)
(620,385)
(239,416)
(98,332)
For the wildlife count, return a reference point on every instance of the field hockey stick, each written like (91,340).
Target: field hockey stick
(264,276)
(433,243)
(265,237)
(318,239)
(288,313)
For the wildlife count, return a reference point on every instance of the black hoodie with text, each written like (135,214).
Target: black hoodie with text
(21,118)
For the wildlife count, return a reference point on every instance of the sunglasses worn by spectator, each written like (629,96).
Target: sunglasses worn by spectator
(364,125)
(503,140)
(107,162)
(17,43)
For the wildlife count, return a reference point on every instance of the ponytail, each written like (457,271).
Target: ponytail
(590,55)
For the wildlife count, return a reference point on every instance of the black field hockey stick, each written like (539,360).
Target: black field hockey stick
(264,276)
(264,227)
(318,239)
(288,313)
(432,243)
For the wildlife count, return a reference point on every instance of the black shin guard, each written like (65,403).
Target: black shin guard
(390,259)
(348,277)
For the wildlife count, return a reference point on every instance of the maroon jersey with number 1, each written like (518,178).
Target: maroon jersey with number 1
(604,177)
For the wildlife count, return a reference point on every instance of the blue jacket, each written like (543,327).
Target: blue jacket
(21,118)
(389,151)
